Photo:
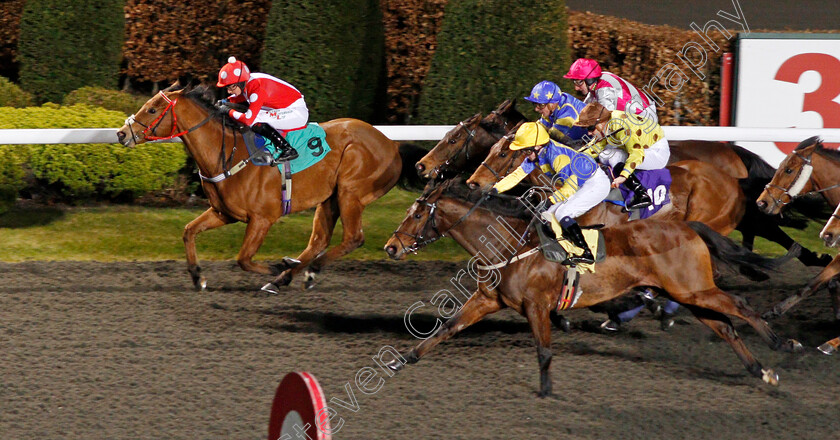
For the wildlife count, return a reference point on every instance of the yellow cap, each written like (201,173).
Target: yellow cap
(529,134)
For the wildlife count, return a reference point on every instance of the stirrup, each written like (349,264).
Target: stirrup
(581,259)
(639,204)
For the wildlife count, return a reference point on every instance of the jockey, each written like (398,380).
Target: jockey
(609,90)
(583,183)
(559,112)
(273,104)
(626,146)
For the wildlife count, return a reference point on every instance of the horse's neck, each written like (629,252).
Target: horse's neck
(492,235)
(206,142)
(826,174)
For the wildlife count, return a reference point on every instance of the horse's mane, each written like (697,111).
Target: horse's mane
(757,168)
(502,205)
(203,96)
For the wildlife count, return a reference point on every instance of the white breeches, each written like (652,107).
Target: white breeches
(289,118)
(656,157)
(593,192)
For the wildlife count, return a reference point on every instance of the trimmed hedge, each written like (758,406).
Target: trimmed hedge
(67,44)
(13,96)
(106,98)
(490,50)
(332,51)
(86,171)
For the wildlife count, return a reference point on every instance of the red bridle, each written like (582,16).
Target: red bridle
(153,126)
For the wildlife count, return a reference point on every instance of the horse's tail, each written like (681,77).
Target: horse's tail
(749,263)
(410,155)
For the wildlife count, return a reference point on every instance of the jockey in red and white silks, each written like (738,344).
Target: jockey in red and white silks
(610,90)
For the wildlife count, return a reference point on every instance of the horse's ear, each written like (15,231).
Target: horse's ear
(474,119)
(507,104)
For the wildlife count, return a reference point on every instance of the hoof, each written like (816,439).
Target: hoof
(544,394)
(666,323)
(271,288)
(610,325)
(290,262)
(795,346)
(770,376)
(200,284)
(309,280)
(561,322)
(395,365)
(827,349)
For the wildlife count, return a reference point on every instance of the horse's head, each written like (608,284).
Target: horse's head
(499,162)
(419,227)
(451,151)
(155,120)
(831,232)
(792,178)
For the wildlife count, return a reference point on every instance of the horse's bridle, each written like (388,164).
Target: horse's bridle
(420,240)
(170,105)
(802,177)
(463,150)
(497,175)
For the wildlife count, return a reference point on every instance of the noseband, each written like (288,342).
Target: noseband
(147,129)
(799,182)
(420,240)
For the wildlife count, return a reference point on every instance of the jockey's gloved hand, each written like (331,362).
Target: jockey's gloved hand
(223,106)
(493,191)
(576,143)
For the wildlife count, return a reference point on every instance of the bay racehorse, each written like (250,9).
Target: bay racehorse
(809,169)
(362,165)
(699,192)
(673,259)
(464,147)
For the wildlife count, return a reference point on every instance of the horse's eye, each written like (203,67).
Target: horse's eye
(502,154)
(788,170)
(452,141)
(417,216)
(152,110)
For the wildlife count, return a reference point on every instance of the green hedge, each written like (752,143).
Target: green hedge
(107,99)
(13,96)
(85,171)
(491,50)
(333,52)
(67,44)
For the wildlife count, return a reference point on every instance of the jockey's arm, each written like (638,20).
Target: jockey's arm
(608,97)
(511,180)
(254,105)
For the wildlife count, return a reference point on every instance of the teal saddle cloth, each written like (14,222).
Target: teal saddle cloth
(310,143)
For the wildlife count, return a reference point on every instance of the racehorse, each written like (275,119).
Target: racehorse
(361,166)
(699,192)
(673,259)
(808,169)
(464,147)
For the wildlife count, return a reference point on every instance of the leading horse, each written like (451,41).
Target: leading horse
(361,166)
(673,259)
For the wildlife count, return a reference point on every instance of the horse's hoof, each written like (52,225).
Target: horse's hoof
(200,284)
(666,323)
(271,288)
(395,365)
(290,262)
(827,349)
(561,322)
(795,346)
(309,280)
(770,376)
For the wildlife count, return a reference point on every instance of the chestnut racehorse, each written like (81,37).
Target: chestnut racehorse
(673,259)
(699,192)
(464,147)
(808,169)
(361,166)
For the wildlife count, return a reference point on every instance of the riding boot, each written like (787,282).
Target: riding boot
(573,233)
(286,150)
(641,199)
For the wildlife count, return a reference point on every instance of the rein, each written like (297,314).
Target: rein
(170,105)
(465,149)
(419,240)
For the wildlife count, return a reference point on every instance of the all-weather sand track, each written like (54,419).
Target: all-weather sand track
(130,351)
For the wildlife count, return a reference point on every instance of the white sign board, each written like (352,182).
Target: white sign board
(787,80)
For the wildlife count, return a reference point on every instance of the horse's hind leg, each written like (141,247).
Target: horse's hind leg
(826,275)
(719,301)
(323,224)
(209,219)
(722,326)
(477,307)
(350,209)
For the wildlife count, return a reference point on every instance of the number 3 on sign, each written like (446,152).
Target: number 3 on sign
(821,100)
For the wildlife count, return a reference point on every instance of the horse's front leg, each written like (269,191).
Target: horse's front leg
(826,275)
(538,318)
(477,307)
(255,234)
(209,219)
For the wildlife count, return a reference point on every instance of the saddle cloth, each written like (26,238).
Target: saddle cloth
(310,143)
(658,184)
